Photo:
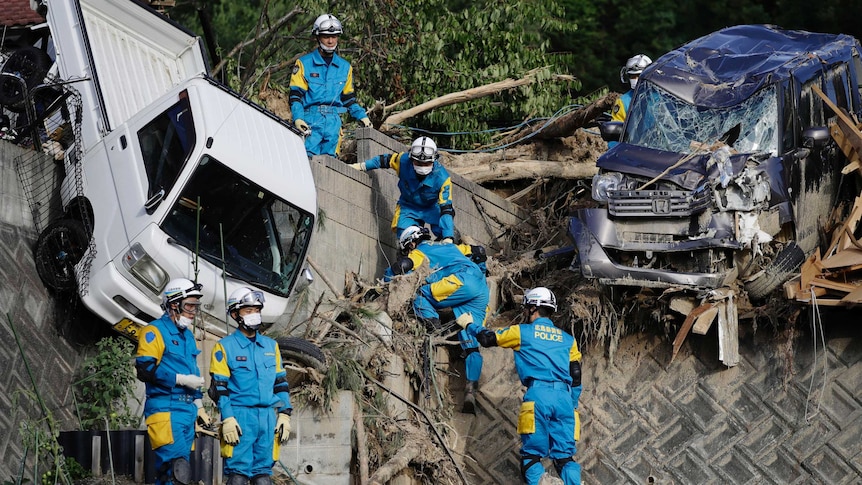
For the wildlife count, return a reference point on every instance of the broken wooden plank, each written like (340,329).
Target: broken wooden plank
(833,285)
(728,327)
(811,268)
(686,327)
(839,237)
(846,258)
(704,321)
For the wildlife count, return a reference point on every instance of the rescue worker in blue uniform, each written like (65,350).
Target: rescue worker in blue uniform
(456,282)
(425,186)
(249,384)
(628,74)
(549,365)
(321,89)
(166,362)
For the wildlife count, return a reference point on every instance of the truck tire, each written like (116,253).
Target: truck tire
(785,264)
(59,248)
(297,354)
(29,63)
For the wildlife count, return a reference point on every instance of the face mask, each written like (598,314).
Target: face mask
(251,320)
(423,170)
(633,82)
(328,50)
(184,322)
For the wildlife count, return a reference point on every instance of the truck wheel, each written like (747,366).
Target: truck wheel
(785,263)
(30,64)
(297,355)
(60,246)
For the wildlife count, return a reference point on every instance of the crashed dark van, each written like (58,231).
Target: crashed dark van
(725,171)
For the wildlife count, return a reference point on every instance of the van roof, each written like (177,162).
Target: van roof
(728,66)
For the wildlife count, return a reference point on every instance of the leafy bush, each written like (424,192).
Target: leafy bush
(106,386)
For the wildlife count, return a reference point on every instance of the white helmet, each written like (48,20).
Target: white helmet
(326,24)
(242,298)
(540,296)
(634,66)
(179,289)
(423,153)
(413,233)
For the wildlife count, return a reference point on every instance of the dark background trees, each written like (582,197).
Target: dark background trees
(407,52)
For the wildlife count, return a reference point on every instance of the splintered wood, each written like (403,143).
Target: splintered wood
(834,279)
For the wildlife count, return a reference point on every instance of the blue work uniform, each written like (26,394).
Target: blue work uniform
(165,350)
(321,88)
(423,199)
(548,422)
(621,109)
(457,283)
(250,385)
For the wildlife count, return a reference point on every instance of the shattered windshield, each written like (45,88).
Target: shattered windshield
(662,121)
(263,238)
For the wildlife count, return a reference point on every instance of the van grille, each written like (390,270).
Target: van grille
(661,203)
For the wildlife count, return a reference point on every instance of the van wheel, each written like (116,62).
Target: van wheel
(59,248)
(785,263)
(297,355)
(30,64)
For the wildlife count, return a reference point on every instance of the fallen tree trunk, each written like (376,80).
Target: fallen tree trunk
(397,463)
(527,169)
(467,95)
(566,124)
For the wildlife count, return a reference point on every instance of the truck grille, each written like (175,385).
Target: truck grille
(661,203)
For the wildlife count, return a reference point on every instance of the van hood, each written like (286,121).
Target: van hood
(650,163)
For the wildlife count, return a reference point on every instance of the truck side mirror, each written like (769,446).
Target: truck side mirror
(304,281)
(815,137)
(611,130)
(154,201)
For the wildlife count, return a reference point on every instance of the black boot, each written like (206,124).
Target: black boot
(470,398)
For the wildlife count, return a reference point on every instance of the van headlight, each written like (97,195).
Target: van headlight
(604,183)
(144,268)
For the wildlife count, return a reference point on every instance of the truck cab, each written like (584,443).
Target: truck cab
(172,173)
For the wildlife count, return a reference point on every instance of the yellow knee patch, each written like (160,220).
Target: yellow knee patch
(527,418)
(159,429)
(577,426)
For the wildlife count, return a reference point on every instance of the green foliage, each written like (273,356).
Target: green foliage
(41,436)
(106,385)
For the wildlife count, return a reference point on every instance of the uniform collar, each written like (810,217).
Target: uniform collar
(320,61)
(245,341)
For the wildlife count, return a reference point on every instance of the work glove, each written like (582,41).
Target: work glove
(358,166)
(576,395)
(464,320)
(190,381)
(203,418)
(282,427)
(302,126)
(365,122)
(230,431)
(447,240)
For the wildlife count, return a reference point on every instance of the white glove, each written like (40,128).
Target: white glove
(190,381)
(365,122)
(231,431)
(358,166)
(464,320)
(448,240)
(303,127)
(282,428)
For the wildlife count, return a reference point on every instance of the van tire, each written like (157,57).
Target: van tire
(59,248)
(32,64)
(297,352)
(785,263)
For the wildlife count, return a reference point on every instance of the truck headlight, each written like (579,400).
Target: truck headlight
(144,268)
(604,183)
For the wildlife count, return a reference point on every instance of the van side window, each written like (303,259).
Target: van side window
(810,106)
(166,143)
(857,67)
(836,87)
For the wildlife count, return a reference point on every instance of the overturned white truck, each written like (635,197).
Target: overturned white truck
(175,176)
(725,174)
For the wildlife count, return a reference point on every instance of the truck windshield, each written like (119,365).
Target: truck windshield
(662,121)
(263,238)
